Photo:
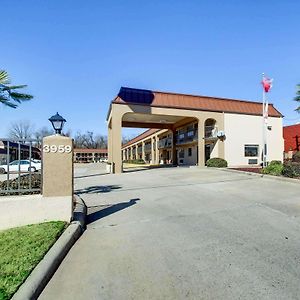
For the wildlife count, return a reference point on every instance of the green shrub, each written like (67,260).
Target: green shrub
(291,169)
(275,167)
(217,163)
(275,162)
(296,157)
(135,161)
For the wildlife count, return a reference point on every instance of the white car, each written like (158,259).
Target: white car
(24,166)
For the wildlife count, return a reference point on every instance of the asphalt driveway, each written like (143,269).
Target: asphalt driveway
(183,233)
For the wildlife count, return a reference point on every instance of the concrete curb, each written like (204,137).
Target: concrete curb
(42,273)
(279,178)
(80,211)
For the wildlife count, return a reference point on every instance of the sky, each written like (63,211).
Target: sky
(75,55)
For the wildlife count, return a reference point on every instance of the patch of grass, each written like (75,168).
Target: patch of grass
(21,249)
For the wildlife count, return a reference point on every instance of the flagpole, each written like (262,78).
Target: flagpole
(266,127)
(263,125)
(264,146)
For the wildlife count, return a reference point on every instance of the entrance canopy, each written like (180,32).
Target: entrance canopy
(139,120)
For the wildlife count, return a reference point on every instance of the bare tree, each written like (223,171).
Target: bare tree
(40,134)
(88,140)
(20,130)
(126,139)
(101,141)
(67,133)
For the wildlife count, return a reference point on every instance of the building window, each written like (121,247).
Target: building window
(190,128)
(190,152)
(181,153)
(251,150)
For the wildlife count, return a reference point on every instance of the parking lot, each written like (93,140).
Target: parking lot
(183,233)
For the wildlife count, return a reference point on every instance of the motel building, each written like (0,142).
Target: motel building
(190,129)
(84,155)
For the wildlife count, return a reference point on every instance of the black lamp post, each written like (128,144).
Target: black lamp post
(57,122)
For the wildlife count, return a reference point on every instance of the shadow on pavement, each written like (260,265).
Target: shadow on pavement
(106,210)
(98,189)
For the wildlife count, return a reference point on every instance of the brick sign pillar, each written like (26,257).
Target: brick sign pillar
(57,166)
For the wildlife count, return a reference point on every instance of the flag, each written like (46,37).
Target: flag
(267,84)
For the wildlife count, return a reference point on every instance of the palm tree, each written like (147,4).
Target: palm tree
(9,96)
(297,98)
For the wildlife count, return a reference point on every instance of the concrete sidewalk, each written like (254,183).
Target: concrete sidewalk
(184,233)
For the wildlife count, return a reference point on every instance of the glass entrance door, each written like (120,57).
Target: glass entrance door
(207,152)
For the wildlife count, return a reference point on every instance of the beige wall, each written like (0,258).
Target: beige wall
(188,160)
(240,130)
(247,129)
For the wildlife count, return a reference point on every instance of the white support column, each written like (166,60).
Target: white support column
(109,142)
(201,144)
(152,151)
(143,151)
(156,150)
(117,145)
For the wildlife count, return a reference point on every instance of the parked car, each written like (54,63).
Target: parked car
(103,159)
(25,166)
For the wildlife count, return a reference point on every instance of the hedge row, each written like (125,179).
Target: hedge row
(288,169)
(216,163)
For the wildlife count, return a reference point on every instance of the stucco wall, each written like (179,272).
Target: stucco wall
(246,129)
(188,160)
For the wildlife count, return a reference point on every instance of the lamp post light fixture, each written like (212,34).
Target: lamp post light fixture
(57,122)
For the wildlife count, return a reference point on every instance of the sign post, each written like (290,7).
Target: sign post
(57,166)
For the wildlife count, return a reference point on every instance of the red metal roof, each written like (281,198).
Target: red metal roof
(141,136)
(85,150)
(192,102)
(290,134)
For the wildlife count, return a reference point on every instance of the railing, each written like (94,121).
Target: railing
(147,147)
(187,137)
(192,135)
(20,166)
(165,143)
